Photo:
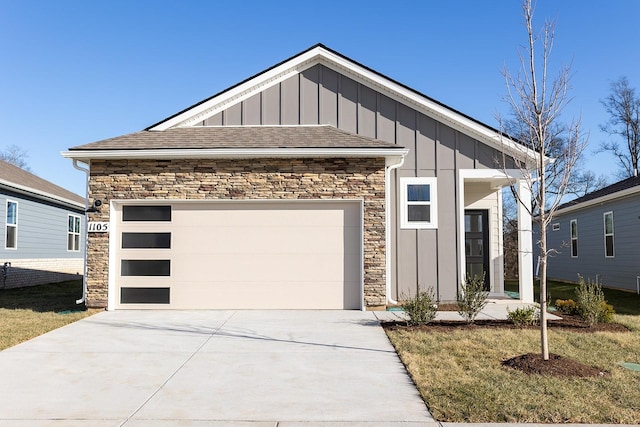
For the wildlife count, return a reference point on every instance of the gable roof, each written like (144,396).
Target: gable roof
(320,54)
(19,180)
(614,191)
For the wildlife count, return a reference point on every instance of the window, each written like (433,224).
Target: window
(146,213)
(145,267)
(556,226)
(608,235)
(11,234)
(574,238)
(73,233)
(419,208)
(146,240)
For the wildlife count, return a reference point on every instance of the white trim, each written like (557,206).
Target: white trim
(432,182)
(319,55)
(600,200)
(387,227)
(112,298)
(7,225)
(74,233)
(241,153)
(40,194)
(612,234)
(571,222)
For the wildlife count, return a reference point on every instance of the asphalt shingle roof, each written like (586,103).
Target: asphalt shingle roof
(611,189)
(15,175)
(238,137)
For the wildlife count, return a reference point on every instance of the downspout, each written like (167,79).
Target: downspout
(86,233)
(391,163)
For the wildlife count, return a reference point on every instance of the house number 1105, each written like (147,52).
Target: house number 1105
(98,227)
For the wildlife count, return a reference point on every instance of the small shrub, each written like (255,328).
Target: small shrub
(592,306)
(472,297)
(525,316)
(420,309)
(567,306)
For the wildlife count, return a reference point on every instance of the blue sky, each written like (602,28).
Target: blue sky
(74,72)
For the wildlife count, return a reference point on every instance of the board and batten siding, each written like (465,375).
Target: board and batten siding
(618,272)
(42,229)
(421,259)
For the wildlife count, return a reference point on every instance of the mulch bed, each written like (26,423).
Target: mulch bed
(530,363)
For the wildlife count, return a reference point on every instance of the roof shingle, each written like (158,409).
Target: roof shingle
(611,189)
(238,137)
(15,175)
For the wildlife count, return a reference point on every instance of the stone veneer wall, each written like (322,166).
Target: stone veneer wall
(238,179)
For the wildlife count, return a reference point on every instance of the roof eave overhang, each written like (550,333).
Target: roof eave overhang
(204,153)
(41,195)
(600,200)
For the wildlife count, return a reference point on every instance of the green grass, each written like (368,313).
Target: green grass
(461,379)
(28,312)
(624,302)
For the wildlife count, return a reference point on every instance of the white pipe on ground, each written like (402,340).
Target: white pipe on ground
(638,285)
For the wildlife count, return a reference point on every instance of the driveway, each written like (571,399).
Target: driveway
(192,368)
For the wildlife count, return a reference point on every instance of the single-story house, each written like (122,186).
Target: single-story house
(317,183)
(595,236)
(43,236)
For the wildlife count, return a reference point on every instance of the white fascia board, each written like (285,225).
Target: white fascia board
(600,200)
(203,153)
(42,195)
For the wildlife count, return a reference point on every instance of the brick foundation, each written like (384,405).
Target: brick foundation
(31,272)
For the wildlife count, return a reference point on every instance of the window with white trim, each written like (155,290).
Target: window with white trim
(608,235)
(556,226)
(419,203)
(11,227)
(73,233)
(574,238)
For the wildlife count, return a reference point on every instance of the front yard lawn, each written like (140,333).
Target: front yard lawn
(461,379)
(28,312)
(624,302)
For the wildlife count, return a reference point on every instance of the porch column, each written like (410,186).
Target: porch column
(525,246)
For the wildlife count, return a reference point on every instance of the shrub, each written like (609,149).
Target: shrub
(525,316)
(592,306)
(566,306)
(472,297)
(420,309)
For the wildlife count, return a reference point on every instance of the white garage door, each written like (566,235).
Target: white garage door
(239,255)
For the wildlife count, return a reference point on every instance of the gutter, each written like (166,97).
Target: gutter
(391,163)
(86,232)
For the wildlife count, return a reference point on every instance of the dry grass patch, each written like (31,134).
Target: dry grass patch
(26,313)
(460,376)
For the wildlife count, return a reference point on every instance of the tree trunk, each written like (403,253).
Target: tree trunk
(544,342)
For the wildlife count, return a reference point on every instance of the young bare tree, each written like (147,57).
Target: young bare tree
(536,103)
(16,156)
(623,107)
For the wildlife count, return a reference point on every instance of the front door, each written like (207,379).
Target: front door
(476,243)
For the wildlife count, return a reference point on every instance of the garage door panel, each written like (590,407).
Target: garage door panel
(303,254)
(248,295)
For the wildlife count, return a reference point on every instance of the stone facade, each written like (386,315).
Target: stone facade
(242,179)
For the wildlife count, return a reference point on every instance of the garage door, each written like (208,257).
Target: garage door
(238,255)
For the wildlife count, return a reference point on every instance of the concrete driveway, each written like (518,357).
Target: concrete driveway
(192,368)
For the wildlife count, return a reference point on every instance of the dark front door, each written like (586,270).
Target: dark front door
(476,243)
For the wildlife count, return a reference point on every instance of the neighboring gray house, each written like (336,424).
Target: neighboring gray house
(596,236)
(318,183)
(43,230)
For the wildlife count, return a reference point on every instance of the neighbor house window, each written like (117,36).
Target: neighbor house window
(556,226)
(419,208)
(73,233)
(608,235)
(574,238)
(11,233)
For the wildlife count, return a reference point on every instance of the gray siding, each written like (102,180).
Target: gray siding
(319,95)
(42,230)
(621,270)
